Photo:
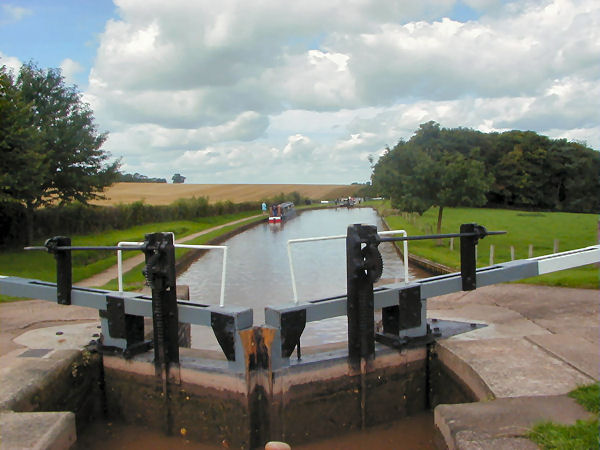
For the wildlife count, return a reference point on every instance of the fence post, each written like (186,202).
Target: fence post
(512,252)
(530,253)
(451,243)
(64,272)
(468,254)
(491,254)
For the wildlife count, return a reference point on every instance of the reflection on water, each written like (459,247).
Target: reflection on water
(258,272)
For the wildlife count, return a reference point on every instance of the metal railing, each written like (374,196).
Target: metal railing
(191,246)
(341,236)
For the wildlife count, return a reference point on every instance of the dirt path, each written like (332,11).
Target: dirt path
(109,274)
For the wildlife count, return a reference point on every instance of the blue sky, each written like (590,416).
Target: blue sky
(305,92)
(48,32)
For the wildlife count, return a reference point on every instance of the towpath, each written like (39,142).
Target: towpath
(109,274)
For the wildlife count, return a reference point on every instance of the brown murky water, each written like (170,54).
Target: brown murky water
(412,433)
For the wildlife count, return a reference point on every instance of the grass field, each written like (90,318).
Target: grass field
(42,266)
(164,194)
(539,229)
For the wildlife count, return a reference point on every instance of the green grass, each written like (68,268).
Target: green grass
(588,396)
(539,229)
(41,266)
(583,435)
(134,280)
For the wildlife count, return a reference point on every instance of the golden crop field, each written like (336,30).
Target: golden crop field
(163,193)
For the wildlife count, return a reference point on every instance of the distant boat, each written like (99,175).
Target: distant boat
(347,202)
(282,212)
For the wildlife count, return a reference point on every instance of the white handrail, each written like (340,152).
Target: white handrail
(120,261)
(341,236)
(223,271)
(405,248)
(197,247)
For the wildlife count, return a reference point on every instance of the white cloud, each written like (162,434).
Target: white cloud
(223,90)
(69,69)
(10,62)
(13,13)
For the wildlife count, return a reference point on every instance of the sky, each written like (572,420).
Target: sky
(273,91)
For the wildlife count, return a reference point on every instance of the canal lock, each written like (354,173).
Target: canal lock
(260,392)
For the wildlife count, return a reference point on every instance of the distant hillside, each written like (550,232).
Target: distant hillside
(163,194)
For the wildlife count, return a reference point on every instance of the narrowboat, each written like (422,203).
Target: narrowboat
(281,212)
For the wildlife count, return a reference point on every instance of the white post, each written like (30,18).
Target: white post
(405,261)
(530,251)
(289,249)
(451,244)
(120,269)
(120,261)
(491,254)
(512,253)
(222,299)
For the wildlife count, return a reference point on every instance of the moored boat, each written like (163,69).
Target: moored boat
(282,212)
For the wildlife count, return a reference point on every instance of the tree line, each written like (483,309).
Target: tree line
(137,178)
(447,167)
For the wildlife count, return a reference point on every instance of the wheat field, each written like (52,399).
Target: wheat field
(164,194)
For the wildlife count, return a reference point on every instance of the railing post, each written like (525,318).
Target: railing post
(64,282)
(363,268)
(468,254)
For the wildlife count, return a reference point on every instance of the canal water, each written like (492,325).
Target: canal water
(258,272)
(411,433)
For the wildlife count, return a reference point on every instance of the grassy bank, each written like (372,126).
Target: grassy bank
(581,436)
(538,229)
(40,265)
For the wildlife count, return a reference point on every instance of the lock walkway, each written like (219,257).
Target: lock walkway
(540,343)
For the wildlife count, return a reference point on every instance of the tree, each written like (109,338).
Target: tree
(177,178)
(58,156)
(528,170)
(416,178)
(138,178)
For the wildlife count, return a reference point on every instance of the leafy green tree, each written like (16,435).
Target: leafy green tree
(416,178)
(529,170)
(61,159)
(22,162)
(178,178)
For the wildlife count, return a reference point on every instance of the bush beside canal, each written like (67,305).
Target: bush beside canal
(541,230)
